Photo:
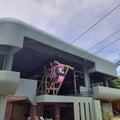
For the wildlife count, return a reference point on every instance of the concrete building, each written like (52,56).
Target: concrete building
(26,90)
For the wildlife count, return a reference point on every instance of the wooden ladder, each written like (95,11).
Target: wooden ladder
(43,83)
(77,76)
(55,87)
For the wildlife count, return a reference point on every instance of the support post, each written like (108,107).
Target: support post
(97,110)
(57,112)
(86,76)
(75,88)
(33,111)
(3,103)
(76,111)
(40,110)
(8,62)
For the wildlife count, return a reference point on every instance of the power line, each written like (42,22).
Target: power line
(92,26)
(104,39)
(107,45)
(104,47)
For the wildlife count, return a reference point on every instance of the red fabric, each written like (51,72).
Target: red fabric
(60,79)
(55,72)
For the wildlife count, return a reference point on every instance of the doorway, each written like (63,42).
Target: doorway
(17,110)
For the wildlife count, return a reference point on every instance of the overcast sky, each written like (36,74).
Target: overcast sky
(67,19)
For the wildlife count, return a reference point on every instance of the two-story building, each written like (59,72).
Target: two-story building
(26,54)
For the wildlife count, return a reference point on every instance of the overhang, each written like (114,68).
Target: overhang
(9,81)
(106,93)
(13,33)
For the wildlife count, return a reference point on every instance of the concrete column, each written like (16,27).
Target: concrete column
(111,109)
(8,62)
(76,111)
(57,112)
(86,77)
(97,110)
(3,103)
(7,65)
(106,83)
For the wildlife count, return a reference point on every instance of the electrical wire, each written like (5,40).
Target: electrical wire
(108,45)
(104,47)
(92,26)
(105,39)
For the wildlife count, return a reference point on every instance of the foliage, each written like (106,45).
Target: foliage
(107,115)
(115,83)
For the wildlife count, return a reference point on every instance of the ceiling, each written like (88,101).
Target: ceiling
(34,55)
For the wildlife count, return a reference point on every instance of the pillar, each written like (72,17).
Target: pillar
(111,109)
(33,111)
(76,111)
(9,111)
(40,109)
(8,62)
(3,103)
(86,77)
(7,65)
(97,110)
(57,112)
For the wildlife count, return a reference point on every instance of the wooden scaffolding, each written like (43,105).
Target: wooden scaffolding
(48,87)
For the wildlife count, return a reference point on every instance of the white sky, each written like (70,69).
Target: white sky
(67,19)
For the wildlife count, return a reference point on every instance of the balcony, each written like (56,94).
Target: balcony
(106,93)
(9,81)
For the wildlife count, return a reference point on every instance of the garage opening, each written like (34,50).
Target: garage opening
(17,110)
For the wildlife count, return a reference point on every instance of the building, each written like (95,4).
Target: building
(25,88)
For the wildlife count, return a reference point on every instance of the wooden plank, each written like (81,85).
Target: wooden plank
(55,87)
(59,88)
(75,88)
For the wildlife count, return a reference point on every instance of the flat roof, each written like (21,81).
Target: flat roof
(24,28)
(16,33)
